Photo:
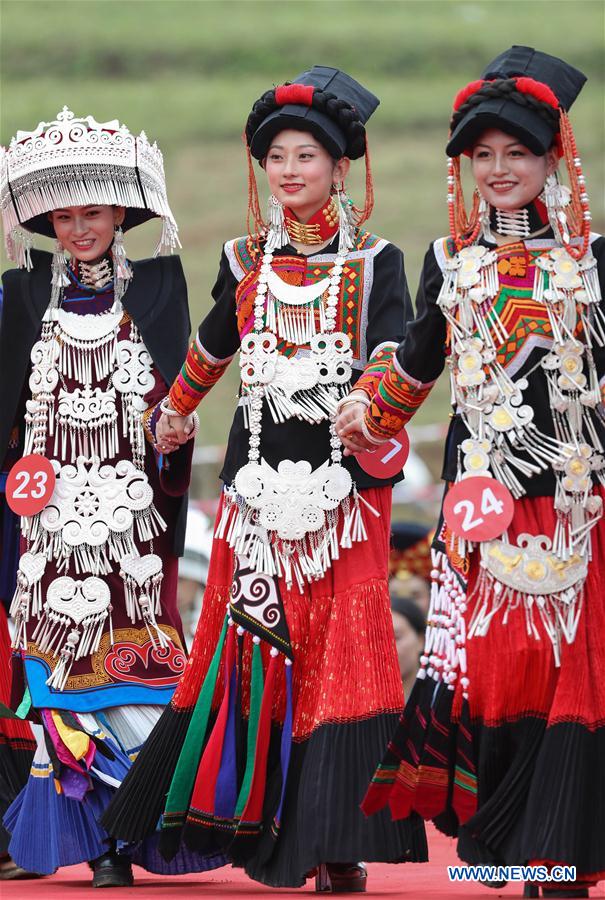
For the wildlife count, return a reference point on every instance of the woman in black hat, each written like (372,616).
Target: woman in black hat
(293,681)
(511,687)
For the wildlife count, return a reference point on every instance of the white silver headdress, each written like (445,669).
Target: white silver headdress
(77,162)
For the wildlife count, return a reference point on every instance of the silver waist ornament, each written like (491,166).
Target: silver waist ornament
(102,506)
(544,574)
(293,520)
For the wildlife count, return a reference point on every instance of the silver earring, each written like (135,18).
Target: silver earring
(346,228)
(556,197)
(277,235)
(122,273)
(60,278)
(486,230)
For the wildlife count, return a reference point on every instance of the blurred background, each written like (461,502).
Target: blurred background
(188,71)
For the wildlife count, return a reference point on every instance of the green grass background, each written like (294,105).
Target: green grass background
(187,72)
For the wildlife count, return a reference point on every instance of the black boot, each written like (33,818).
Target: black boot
(111,870)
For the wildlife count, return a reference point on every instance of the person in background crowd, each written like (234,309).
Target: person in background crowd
(409,625)
(410,563)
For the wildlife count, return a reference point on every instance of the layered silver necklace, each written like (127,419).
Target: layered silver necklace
(292,521)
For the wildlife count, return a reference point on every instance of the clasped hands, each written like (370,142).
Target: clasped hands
(349,426)
(173,431)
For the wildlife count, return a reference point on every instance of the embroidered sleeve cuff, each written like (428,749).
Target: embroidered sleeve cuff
(200,372)
(150,420)
(395,402)
(371,376)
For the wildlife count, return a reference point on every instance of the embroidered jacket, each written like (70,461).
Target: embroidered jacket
(373,309)
(421,357)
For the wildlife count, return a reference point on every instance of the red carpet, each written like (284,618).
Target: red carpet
(416,882)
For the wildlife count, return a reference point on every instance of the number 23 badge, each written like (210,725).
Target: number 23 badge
(478,509)
(30,485)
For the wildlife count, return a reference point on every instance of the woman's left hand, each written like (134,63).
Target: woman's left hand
(348,428)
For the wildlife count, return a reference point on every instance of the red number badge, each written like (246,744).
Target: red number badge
(30,485)
(478,509)
(388,459)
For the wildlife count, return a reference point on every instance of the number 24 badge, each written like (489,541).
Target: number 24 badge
(478,509)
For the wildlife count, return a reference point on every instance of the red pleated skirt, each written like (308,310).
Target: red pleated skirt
(512,674)
(345,660)
(517,770)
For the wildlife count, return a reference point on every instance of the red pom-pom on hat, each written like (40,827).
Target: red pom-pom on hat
(465,92)
(301,94)
(537,89)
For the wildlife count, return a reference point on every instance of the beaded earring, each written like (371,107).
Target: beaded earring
(19,244)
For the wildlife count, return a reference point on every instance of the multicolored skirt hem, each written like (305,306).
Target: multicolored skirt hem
(79,763)
(277,722)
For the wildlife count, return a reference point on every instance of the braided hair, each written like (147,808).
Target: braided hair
(341,112)
(506,89)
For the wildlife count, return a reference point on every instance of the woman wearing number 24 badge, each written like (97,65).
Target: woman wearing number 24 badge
(293,678)
(88,343)
(502,742)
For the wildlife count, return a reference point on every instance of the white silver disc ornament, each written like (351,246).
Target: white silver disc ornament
(99,512)
(143,577)
(293,500)
(92,515)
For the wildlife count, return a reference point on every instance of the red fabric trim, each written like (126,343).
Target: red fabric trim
(326,221)
(464,93)
(14,732)
(294,93)
(539,90)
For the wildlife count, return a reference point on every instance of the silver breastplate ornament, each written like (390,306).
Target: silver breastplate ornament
(286,521)
(543,574)
(102,506)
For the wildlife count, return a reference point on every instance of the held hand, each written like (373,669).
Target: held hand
(166,438)
(348,428)
(172,431)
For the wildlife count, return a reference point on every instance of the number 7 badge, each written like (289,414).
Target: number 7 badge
(388,459)
(478,508)
(30,485)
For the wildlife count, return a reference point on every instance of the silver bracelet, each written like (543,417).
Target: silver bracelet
(196,426)
(351,398)
(372,440)
(168,410)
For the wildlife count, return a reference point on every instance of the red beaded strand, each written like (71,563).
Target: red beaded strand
(577,182)
(463,229)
